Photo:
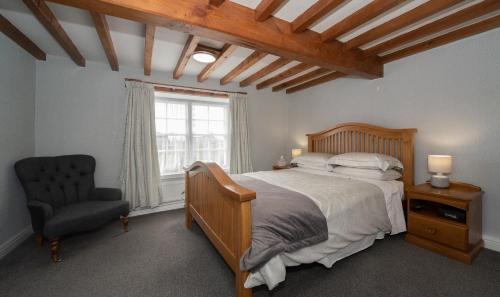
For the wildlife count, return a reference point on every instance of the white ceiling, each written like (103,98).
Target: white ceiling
(128,36)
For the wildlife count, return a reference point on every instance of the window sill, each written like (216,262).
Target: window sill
(179,176)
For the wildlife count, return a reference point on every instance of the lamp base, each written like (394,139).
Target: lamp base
(440,181)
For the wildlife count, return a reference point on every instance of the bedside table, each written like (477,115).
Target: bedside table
(457,232)
(276,167)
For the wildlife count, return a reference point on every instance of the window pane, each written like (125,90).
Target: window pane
(217,113)
(172,153)
(176,126)
(176,110)
(161,126)
(200,127)
(200,112)
(160,110)
(217,127)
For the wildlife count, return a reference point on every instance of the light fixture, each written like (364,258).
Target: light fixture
(296,152)
(204,57)
(441,165)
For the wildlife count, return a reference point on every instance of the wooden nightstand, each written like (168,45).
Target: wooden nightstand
(276,167)
(427,227)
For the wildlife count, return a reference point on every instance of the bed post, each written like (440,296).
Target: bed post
(189,216)
(243,242)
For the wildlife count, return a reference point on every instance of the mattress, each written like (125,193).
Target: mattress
(335,248)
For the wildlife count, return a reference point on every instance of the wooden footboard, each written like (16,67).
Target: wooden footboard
(223,210)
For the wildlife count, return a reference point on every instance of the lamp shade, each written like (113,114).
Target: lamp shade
(296,152)
(439,163)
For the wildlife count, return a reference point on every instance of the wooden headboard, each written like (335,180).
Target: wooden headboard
(357,137)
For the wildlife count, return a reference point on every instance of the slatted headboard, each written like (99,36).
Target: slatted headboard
(357,137)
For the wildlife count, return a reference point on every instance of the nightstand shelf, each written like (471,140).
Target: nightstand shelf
(428,226)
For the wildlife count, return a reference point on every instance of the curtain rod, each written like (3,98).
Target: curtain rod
(185,88)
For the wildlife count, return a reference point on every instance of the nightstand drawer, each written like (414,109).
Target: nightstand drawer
(450,234)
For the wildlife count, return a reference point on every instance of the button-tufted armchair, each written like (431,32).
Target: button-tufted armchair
(63,199)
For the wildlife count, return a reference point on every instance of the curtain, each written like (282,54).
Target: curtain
(140,176)
(240,161)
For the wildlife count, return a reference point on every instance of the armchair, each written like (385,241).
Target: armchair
(62,198)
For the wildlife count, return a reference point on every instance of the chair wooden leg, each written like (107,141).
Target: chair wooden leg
(124,222)
(54,249)
(39,238)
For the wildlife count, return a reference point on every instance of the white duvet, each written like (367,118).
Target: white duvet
(357,212)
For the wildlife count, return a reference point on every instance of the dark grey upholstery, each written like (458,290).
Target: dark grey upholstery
(62,197)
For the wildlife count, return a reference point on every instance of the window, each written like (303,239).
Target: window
(189,130)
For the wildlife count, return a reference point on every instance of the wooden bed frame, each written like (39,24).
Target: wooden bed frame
(222,208)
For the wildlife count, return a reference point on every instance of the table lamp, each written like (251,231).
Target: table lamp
(296,152)
(440,165)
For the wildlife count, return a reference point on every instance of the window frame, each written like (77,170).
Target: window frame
(170,97)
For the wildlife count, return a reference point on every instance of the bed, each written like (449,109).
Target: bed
(223,208)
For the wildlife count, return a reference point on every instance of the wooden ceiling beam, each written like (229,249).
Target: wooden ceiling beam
(255,57)
(358,18)
(315,82)
(314,13)
(302,79)
(284,75)
(149,41)
(266,8)
(45,16)
(275,65)
(420,12)
(452,20)
(480,27)
(189,48)
(236,24)
(22,40)
(227,50)
(102,28)
(216,3)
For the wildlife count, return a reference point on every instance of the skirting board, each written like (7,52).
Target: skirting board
(14,241)
(164,207)
(491,243)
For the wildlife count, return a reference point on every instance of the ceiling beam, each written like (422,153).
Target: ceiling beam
(255,57)
(313,14)
(284,75)
(227,50)
(358,18)
(101,26)
(452,20)
(302,79)
(235,24)
(45,16)
(149,41)
(480,27)
(275,65)
(315,82)
(216,3)
(189,47)
(266,8)
(22,40)
(420,12)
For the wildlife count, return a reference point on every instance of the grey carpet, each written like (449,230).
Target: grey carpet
(159,257)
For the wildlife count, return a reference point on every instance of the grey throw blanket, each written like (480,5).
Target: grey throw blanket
(282,221)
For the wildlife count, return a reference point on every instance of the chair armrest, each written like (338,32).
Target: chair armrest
(40,213)
(106,194)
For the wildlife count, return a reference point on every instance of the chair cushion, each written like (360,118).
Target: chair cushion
(84,216)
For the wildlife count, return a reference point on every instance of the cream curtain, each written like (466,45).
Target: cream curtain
(140,176)
(240,160)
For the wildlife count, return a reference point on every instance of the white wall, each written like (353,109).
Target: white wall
(82,110)
(451,94)
(17,107)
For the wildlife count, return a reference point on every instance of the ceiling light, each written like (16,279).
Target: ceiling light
(204,57)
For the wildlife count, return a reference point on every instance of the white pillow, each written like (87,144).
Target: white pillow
(366,160)
(323,167)
(377,174)
(312,158)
